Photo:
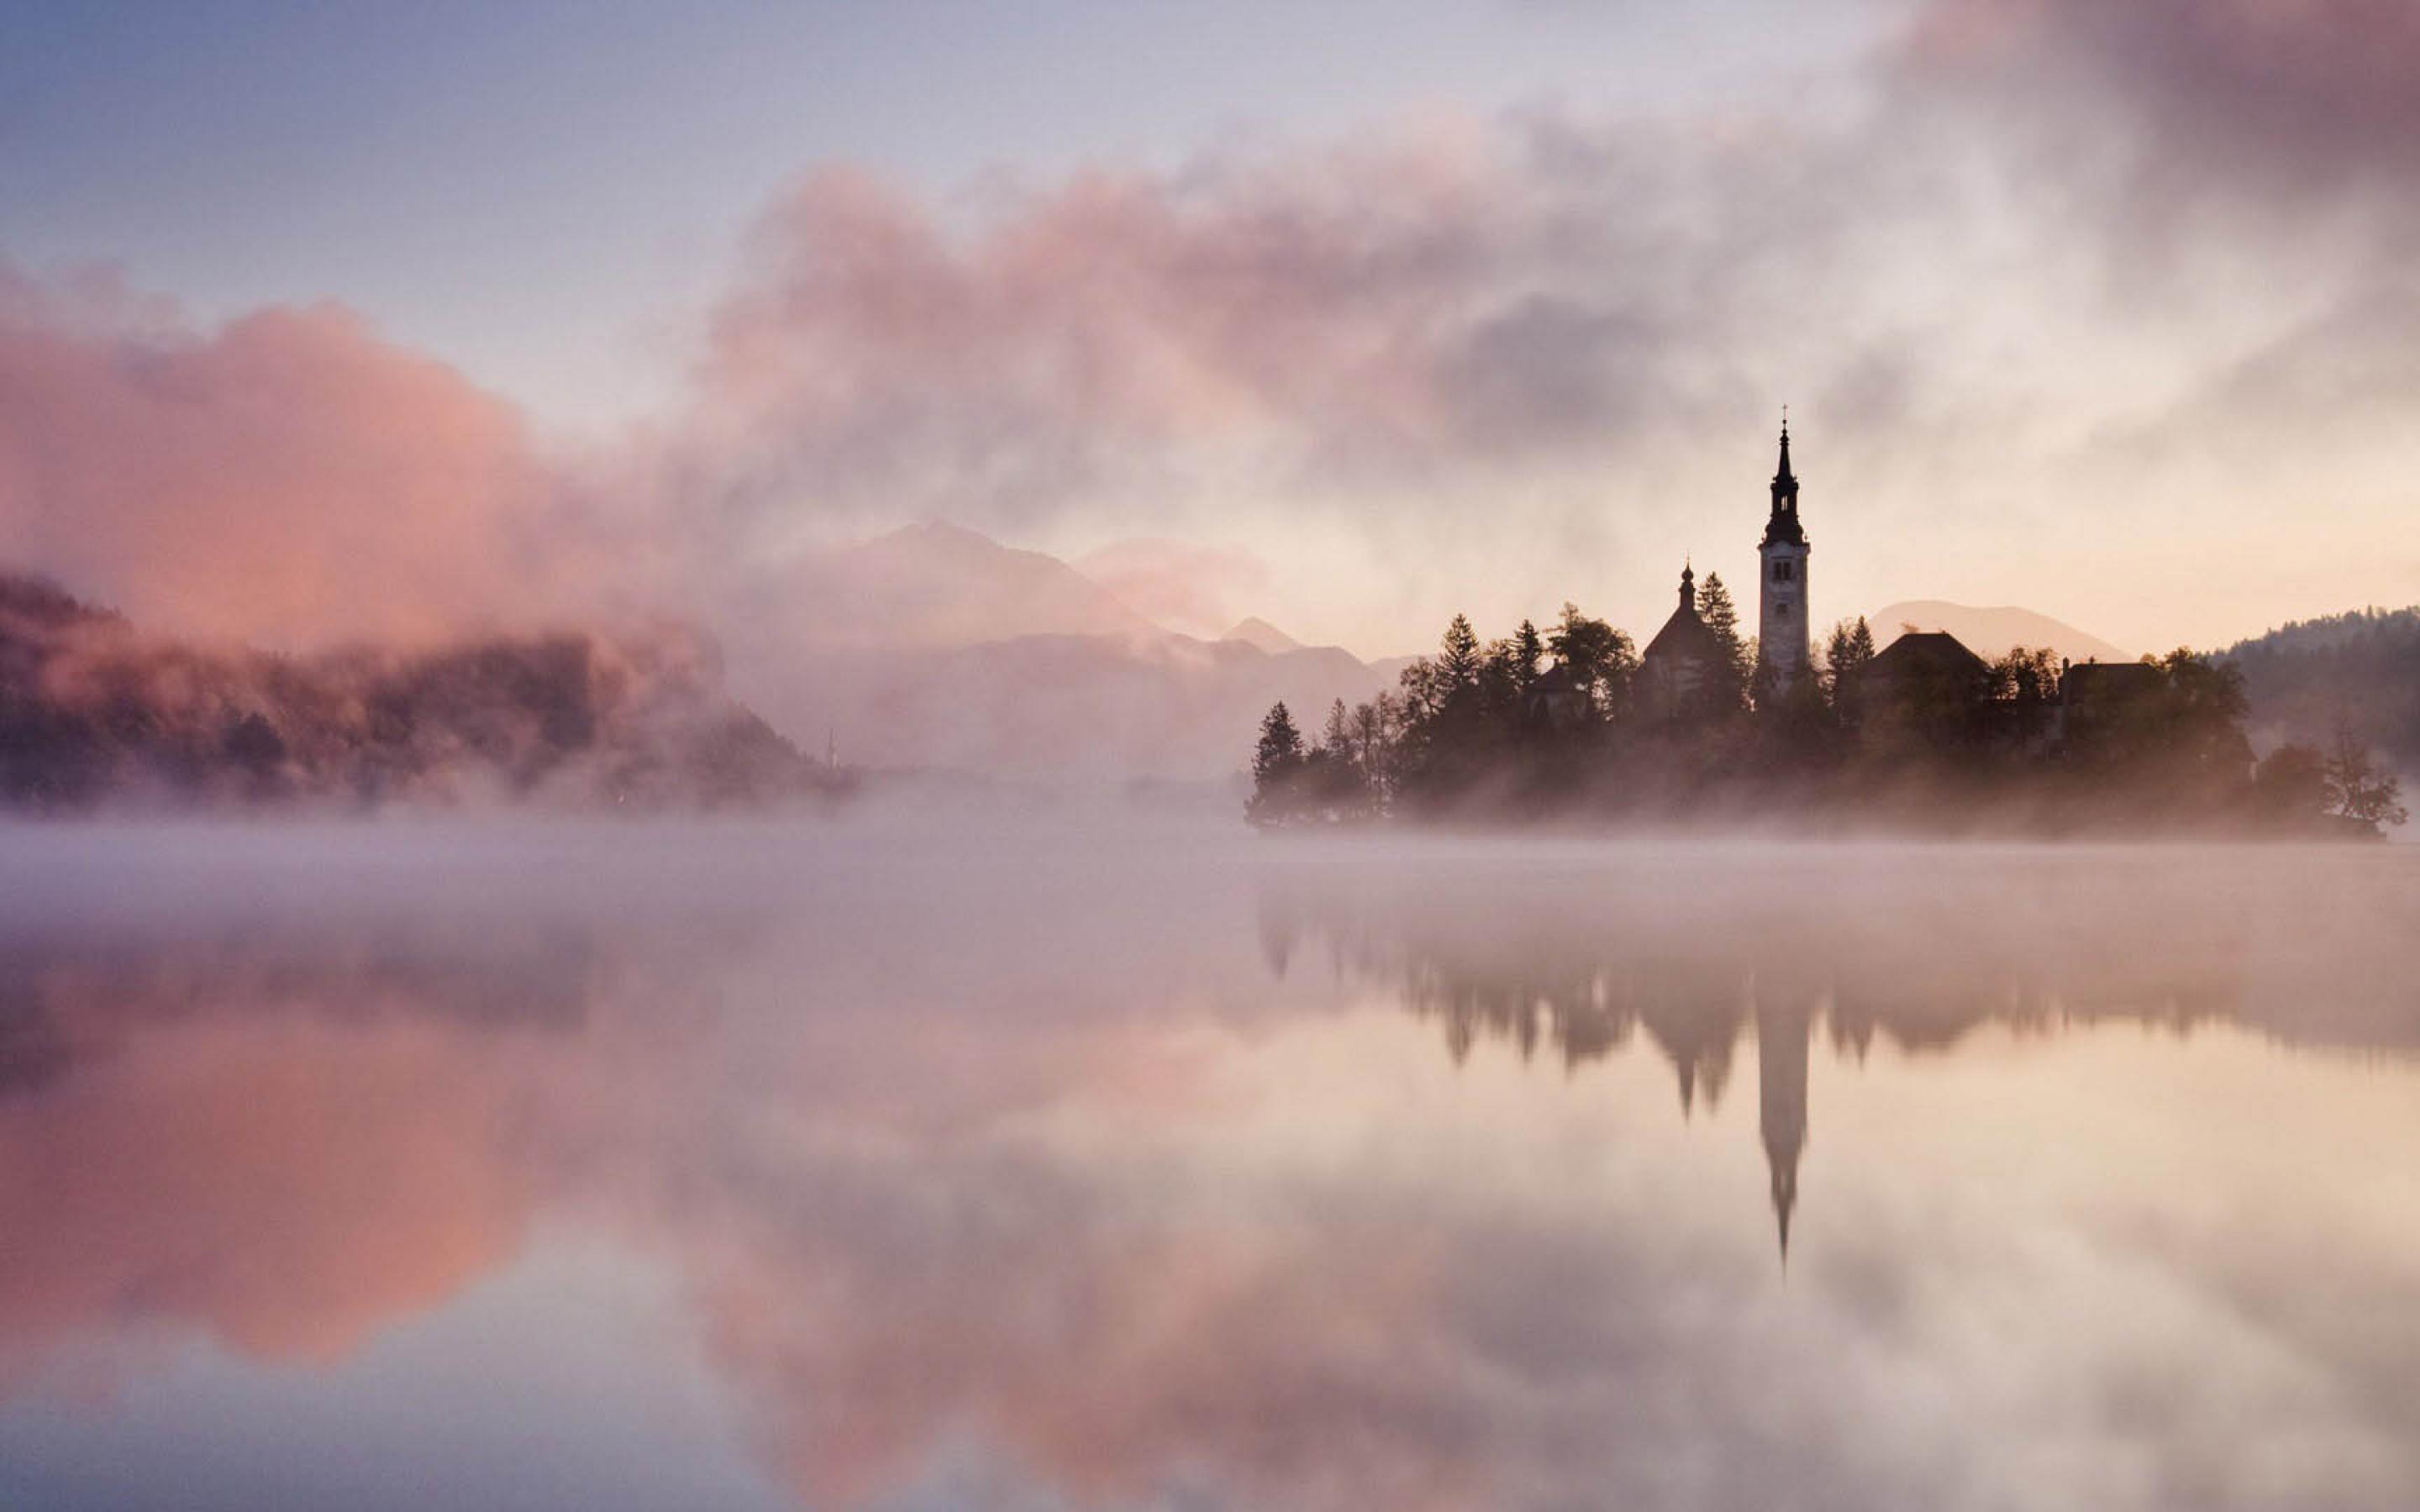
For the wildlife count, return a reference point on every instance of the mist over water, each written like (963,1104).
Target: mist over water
(1117,1160)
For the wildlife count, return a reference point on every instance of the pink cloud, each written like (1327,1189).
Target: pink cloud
(286,476)
(1358,308)
(1405,329)
(2272,97)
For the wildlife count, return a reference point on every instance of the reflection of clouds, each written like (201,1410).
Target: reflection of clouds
(1219,1310)
(1039,1162)
(289,1188)
(285,1133)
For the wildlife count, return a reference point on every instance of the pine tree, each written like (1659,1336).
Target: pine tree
(1728,681)
(1509,672)
(1458,660)
(1277,771)
(1280,749)
(1528,649)
(1449,740)
(1836,650)
(1845,653)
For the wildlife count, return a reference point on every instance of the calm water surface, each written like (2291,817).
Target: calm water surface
(1136,1165)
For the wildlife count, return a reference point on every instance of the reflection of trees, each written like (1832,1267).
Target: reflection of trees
(1920,951)
(1579,961)
(943,1174)
(67,996)
(303,1135)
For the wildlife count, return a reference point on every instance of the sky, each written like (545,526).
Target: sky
(321,320)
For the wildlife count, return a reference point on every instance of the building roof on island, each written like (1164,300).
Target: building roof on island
(2081,680)
(1923,653)
(1684,634)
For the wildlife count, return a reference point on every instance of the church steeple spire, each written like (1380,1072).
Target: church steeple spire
(1783,525)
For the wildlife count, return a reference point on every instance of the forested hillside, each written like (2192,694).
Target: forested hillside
(2361,669)
(94,712)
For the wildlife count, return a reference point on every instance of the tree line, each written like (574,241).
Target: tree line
(95,714)
(1557,723)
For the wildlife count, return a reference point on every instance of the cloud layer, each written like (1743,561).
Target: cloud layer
(2040,267)
(286,475)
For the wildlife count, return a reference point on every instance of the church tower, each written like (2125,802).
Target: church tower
(1782,1032)
(1782,628)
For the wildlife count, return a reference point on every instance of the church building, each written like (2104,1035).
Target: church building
(1678,663)
(1681,660)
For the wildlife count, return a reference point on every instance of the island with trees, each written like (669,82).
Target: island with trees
(1708,722)
(1559,724)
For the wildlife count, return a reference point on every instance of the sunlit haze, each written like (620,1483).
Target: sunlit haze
(464,310)
(1210,755)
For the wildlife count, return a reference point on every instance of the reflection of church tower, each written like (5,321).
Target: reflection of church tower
(1781,629)
(1781,1036)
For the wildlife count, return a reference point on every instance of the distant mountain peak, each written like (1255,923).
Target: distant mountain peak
(1257,632)
(934,527)
(938,583)
(1993,631)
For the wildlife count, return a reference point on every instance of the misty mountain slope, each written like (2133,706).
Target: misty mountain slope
(2361,669)
(93,712)
(937,584)
(1091,706)
(1991,632)
(1255,631)
(937,647)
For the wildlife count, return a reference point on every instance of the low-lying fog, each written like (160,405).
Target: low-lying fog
(1081,1160)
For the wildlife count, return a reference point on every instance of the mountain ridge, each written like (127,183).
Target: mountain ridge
(1254,631)
(2358,671)
(1991,631)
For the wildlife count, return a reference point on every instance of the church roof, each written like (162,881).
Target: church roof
(1683,635)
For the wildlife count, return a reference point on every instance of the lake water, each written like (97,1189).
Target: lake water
(1131,1164)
